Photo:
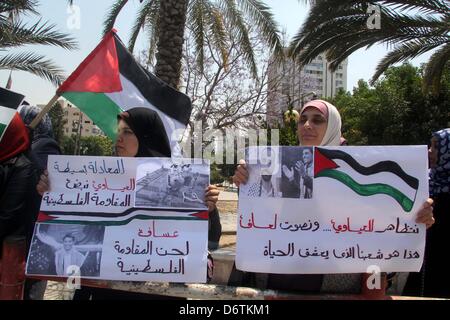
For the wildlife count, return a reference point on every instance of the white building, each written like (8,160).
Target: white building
(73,117)
(291,85)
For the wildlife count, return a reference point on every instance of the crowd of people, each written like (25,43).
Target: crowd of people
(23,176)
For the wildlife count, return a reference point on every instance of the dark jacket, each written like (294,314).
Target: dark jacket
(17,182)
(41,148)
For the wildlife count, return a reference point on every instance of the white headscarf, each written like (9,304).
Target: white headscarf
(333,134)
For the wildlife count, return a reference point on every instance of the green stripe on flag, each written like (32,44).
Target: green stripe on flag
(2,128)
(6,115)
(97,106)
(369,189)
(121,222)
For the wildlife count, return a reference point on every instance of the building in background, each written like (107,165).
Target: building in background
(74,117)
(291,85)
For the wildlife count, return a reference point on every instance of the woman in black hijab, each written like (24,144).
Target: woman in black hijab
(148,129)
(141,133)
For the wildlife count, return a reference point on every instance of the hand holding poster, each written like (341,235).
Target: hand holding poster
(139,219)
(332,210)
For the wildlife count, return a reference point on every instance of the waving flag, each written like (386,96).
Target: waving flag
(110,81)
(9,102)
(349,171)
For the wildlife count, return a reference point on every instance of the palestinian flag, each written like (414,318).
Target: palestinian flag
(9,102)
(119,219)
(110,81)
(341,166)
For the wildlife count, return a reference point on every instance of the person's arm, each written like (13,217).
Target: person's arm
(425,214)
(43,184)
(240,174)
(214,226)
(214,229)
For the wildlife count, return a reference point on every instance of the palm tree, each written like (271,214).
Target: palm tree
(14,33)
(167,20)
(411,28)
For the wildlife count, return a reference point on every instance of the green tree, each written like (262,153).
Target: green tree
(89,146)
(395,111)
(14,33)
(56,114)
(67,145)
(96,146)
(216,174)
(339,28)
(166,22)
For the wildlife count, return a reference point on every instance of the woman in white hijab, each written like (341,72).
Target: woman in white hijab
(319,125)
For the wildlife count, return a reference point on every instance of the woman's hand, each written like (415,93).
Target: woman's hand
(211,197)
(241,174)
(44,184)
(425,214)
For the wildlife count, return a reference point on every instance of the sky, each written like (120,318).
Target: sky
(289,14)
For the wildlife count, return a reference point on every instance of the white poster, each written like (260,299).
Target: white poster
(112,218)
(319,210)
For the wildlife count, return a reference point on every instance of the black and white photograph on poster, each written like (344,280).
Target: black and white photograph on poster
(264,173)
(162,183)
(61,249)
(297,167)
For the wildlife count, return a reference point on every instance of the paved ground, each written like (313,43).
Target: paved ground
(57,291)
(228,196)
(228,222)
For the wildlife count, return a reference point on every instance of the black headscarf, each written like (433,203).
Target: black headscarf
(149,130)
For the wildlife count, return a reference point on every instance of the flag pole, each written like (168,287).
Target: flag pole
(46,109)
(9,82)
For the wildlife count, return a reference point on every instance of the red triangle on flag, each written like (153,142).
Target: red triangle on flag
(201,214)
(99,72)
(42,217)
(322,163)
(16,138)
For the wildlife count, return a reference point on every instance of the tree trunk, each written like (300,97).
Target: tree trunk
(172,19)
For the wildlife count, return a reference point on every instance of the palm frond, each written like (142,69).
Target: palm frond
(18,6)
(18,34)
(435,68)
(35,64)
(260,15)
(339,29)
(197,24)
(147,15)
(152,24)
(112,14)
(239,30)
(422,6)
(404,52)
(216,28)
(347,32)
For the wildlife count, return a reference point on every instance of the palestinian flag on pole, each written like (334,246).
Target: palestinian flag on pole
(110,81)
(364,180)
(9,102)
